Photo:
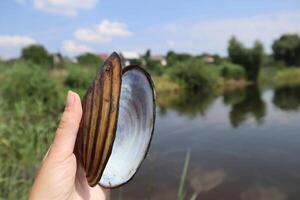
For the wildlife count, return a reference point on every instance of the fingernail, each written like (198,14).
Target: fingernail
(70,99)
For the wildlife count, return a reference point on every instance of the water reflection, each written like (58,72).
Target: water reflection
(186,103)
(259,192)
(204,180)
(245,104)
(246,163)
(287,98)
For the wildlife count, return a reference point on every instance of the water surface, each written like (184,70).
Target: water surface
(244,145)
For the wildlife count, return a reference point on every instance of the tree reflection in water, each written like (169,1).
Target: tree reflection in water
(187,103)
(246,103)
(287,98)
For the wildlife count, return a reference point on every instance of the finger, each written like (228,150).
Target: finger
(64,141)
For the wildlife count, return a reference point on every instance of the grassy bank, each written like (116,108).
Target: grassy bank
(287,77)
(279,76)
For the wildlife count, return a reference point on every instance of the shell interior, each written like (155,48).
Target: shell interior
(134,129)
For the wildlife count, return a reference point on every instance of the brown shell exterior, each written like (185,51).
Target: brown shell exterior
(99,120)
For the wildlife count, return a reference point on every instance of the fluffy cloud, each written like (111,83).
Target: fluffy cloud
(72,48)
(104,32)
(10,45)
(213,35)
(15,40)
(66,7)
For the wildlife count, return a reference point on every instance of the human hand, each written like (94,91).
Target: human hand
(60,177)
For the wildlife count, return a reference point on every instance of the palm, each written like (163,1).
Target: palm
(59,177)
(83,190)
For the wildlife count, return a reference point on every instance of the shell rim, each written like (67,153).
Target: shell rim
(149,79)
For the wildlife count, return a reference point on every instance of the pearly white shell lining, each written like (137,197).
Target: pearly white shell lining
(134,129)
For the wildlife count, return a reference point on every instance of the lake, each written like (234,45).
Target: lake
(243,145)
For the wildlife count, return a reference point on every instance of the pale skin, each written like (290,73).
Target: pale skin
(60,177)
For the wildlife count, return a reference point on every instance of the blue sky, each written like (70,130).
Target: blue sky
(193,26)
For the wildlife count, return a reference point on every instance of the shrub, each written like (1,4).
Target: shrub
(155,68)
(89,59)
(194,75)
(79,78)
(30,84)
(36,54)
(232,71)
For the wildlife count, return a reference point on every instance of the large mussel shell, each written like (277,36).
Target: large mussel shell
(117,123)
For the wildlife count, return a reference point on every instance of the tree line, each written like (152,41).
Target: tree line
(285,51)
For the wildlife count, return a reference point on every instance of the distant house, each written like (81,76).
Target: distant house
(208,58)
(159,58)
(128,57)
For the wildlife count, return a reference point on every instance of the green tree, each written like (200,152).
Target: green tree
(173,58)
(89,59)
(36,54)
(255,60)
(194,75)
(287,49)
(250,58)
(147,55)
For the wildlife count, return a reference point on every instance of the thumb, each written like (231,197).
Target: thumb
(65,137)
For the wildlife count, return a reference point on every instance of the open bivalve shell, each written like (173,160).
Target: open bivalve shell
(117,123)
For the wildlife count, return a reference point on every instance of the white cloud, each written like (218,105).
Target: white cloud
(66,7)
(104,32)
(72,48)
(15,41)
(10,45)
(213,35)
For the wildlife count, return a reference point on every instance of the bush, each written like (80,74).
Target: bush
(155,68)
(30,84)
(79,78)
(36,54)
(232,71)
(89,59)
(194,75)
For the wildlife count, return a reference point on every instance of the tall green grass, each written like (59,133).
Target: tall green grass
(181,194)
(30,104)
(287,77)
